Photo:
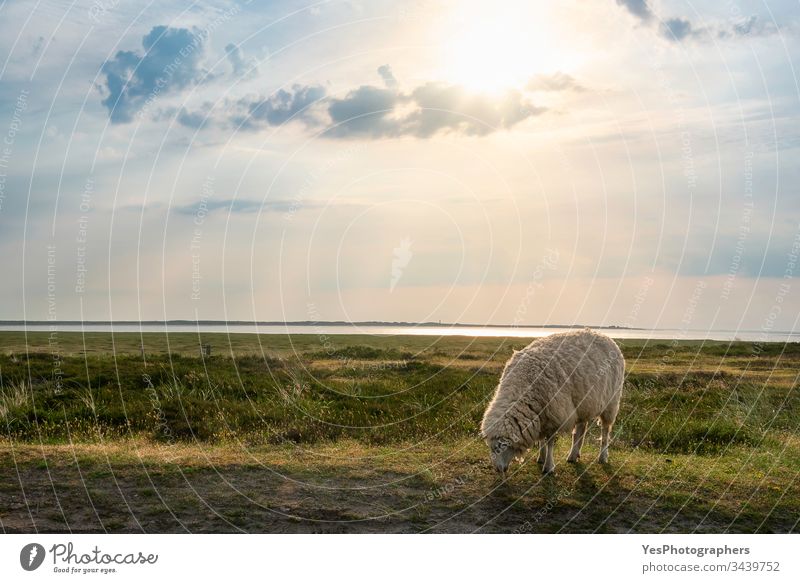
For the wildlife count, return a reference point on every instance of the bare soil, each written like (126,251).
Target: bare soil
(140,486)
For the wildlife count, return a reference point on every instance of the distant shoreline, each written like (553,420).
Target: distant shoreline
(368,323)
(297,323)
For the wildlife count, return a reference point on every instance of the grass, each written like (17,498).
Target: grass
(362,433)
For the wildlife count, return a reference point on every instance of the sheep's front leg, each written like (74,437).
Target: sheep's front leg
(549,464)
(542,451)
(605,439)
(577,442)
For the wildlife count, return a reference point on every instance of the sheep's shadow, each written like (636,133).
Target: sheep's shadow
(584,482)
(550,488)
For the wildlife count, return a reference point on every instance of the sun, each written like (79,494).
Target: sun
(492,47)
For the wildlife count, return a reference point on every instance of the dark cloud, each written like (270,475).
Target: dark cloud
(385,71)
(372,111)
(37,46)
(639,8)
(242,66)
(556,82)
(283,105)
(254,112)
(194,120)
(364,111)
(746,26)
(677,29)
(190,119)
(377,112)
(171,61)
(239,206)
(752,26)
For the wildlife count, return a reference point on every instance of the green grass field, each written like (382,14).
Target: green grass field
(378,434)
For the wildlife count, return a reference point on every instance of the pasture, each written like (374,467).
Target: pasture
(309,433)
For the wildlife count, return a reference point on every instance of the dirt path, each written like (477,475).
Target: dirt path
(143,487)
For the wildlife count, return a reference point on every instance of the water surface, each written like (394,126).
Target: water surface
(399,330)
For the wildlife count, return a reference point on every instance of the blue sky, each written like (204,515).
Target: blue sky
(606,162)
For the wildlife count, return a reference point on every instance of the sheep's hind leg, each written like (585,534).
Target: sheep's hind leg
(549,464)
(577,442)
(605,438)
(542,451)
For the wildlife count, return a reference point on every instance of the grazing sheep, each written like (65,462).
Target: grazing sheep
(555,384)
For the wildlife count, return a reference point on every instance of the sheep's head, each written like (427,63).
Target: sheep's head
(502,452)
(509,428)
(508,438)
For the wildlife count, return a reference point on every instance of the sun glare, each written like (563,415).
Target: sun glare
(495,46)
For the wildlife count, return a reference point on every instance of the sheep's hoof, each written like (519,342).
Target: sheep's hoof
(604,460)
(574,460)
(548,471)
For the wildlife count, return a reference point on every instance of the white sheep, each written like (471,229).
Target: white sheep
(555,384)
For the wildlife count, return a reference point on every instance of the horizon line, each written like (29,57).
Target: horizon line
(185,322)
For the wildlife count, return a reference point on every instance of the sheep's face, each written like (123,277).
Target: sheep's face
(502,452)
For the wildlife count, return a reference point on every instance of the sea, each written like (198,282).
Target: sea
(404,329)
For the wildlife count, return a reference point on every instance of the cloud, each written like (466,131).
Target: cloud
(429,109)
(385,71)
(171,61)
(364,111)
(757,256)
(639,8)
(752,26)
(679,29)
(242,66)
(240,206)
(36,48)
(254,112)
(441,107)
(284,106)
(193,120)
(556,82)
(747,26)
(372,111)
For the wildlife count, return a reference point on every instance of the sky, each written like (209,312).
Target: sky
(601,162)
